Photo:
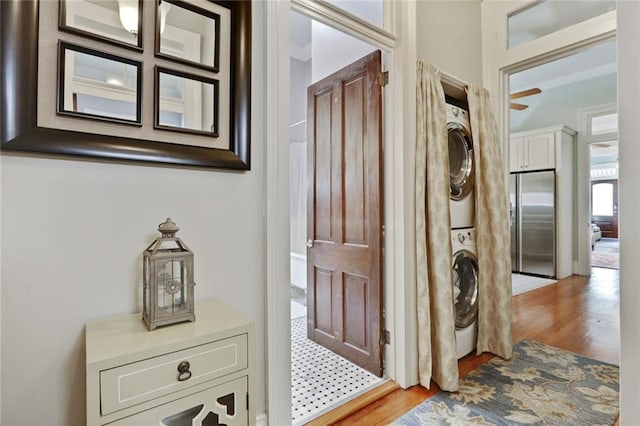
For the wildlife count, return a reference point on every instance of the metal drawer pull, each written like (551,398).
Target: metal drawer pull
(183,370)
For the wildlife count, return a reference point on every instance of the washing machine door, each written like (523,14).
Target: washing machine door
(460,161)
(465,287)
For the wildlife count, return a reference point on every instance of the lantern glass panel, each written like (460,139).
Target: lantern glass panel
(172,288)
(169,246)
(145,287)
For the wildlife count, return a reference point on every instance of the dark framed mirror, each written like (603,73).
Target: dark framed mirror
(186,102)
(99,85)
(188,34)
(113,21)
(22,129)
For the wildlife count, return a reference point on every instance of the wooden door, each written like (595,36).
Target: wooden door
(604,206)
(344,227)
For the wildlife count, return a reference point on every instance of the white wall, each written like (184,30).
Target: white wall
(73,232)
(327,58)
(448,36)
(629,127)
(300,77)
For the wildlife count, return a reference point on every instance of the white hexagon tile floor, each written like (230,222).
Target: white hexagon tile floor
(320,379)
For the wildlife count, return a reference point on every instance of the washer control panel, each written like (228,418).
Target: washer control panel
(463,237)
(456,114)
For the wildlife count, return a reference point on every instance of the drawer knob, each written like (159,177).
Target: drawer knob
(183,371)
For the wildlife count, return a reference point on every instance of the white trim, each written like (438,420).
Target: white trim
(262,420)
(301,53)
(278,306)
(583,207)
(453,86)
(399,204)
(337,18)
(629,153)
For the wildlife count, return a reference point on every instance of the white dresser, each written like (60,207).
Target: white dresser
(198,373)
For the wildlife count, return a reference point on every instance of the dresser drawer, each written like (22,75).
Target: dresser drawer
(131,384)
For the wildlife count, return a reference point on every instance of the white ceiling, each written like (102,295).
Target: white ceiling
(587,78)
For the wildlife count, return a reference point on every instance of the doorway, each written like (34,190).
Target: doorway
(321,379)
(557,93)
(603,156)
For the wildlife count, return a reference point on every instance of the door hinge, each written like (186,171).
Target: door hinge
(383,78)
(385,337)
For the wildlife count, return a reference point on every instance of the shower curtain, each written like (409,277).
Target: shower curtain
(492,230)
(436,320)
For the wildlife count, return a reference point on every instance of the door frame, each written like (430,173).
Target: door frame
(499,63)
(583,209)
(398,127)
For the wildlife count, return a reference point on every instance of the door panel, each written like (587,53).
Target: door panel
(356,311)
(344,260)
(322,154)
(324,292)
(540,152)
(604,206)
(355,197)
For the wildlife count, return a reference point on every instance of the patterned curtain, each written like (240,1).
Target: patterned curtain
(436,320)
(492,230)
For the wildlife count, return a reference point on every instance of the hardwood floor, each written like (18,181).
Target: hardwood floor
(579,314)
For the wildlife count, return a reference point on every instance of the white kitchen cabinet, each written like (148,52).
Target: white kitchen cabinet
(535,150)
(195,373)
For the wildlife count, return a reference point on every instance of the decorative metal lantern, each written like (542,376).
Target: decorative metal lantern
(168,279)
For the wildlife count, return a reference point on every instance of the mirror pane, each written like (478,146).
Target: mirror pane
(98,84)
(116,20)
(186,102)
(188,34)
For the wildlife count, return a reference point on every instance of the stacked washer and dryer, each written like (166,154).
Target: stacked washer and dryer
(463,236)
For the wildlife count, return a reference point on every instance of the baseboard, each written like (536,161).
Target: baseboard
(262,420)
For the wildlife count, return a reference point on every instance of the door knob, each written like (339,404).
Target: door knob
(309,243)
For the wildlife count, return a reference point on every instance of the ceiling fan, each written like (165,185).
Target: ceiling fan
(522,94)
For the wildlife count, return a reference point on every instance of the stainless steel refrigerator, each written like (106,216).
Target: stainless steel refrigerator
(533,222)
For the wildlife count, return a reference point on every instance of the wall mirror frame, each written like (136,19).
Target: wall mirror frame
(210,37)
(70,91)
(195,121)
(19,100)
(65,14)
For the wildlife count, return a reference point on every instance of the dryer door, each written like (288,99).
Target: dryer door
(460,161)
(465,287)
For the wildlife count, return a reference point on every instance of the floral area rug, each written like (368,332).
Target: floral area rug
(540,385)
(605,260)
